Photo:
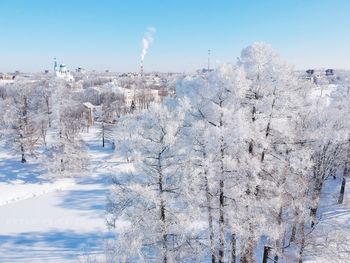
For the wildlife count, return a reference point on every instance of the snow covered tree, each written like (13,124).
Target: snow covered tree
(21,122)
(65,150)
(150,198)
(214,126)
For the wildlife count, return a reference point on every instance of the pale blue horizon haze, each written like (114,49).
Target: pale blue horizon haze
(100,35)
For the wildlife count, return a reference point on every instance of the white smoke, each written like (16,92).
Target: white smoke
(147,41)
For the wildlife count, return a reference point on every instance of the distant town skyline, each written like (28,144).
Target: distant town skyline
(101,35)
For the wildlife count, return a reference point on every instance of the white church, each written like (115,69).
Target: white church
(62,72)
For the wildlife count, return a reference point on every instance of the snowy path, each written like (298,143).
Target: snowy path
(53,222)
(331,238)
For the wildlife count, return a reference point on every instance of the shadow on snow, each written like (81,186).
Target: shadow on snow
(50,245)
(12,169)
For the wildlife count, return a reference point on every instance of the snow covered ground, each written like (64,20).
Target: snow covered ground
(53,221)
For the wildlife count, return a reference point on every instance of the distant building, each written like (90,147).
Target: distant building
(62,72)
(310,75)
(6,78)
(329,72)
(80,70)
(141,98)
(310,72)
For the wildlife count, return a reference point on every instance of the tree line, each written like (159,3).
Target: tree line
(232,167)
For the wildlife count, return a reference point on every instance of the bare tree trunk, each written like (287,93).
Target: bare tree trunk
(315,197)
(284,240)
(22,127)
(210,221)
(44,132)
(103,135)
(278,240)
(47,100)
(221,197)
(345,173)
(315,202)
(21,137)
(221,223)
(268,126)
(294,228)
(233,248)
(23,159)
(266,254)
(247,255)
(342,191)
(247,251)
(25,110)
(61,147)
(162,213)
(302,241)
(165,236)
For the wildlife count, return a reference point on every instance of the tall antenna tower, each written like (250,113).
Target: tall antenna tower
(209,59)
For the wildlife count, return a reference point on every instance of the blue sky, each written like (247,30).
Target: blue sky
(107,34)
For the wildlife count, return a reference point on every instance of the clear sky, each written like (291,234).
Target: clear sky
(107,34)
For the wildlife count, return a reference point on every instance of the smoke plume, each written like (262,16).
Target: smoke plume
(147,41)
